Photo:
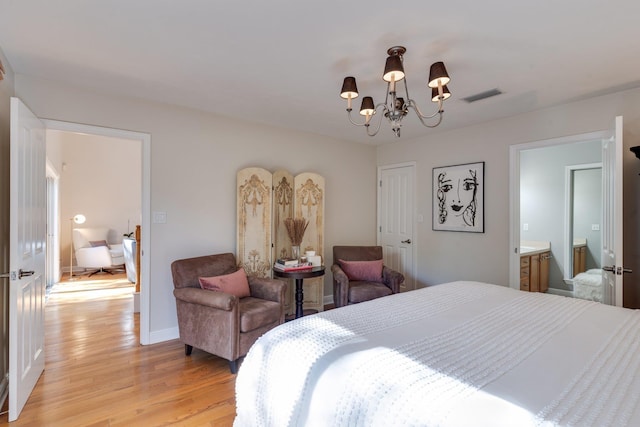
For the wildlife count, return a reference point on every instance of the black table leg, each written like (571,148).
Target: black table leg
(299,298)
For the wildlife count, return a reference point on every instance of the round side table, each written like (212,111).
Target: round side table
(299,276)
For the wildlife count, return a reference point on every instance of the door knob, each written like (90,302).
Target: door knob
(24,273)
(611,269)
(406,241)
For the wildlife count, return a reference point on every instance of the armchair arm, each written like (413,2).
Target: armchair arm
(392,279)
(213,299)
(340,286)
(267,288)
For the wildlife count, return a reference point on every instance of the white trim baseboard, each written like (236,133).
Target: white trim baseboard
(164,335)
(562,292)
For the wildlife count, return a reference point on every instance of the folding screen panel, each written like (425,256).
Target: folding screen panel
(254,210)
(264,201)
(309,204)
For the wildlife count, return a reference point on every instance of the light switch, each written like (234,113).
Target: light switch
(525,227)
(420,218)
(595,227)
(159,217)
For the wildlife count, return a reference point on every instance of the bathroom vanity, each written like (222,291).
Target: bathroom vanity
(579,256)
(534,266)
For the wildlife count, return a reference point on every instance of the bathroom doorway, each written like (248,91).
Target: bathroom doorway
(539,203)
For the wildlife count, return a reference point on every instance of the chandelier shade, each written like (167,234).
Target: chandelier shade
(396,105)
(349,88)
(438,75)
(435,94)
(367,107)
(393,69)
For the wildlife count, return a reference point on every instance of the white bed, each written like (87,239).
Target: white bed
(459,354)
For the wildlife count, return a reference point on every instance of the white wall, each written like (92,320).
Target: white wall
(100,177)
(487,255)
(194,160)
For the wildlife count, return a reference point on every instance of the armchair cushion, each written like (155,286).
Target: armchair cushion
(360,291)
(362,270)
(234,283)
(255,312)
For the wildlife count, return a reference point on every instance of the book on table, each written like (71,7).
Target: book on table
(287,261)
(297,267)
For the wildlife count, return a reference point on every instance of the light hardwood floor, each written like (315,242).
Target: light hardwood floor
(97,374)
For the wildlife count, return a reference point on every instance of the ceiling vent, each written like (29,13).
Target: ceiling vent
(482,95)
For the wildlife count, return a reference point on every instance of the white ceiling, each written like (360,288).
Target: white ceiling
(282,62)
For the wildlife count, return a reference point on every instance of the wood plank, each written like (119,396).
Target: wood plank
(97,374)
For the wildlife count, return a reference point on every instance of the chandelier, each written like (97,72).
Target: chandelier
(394,107)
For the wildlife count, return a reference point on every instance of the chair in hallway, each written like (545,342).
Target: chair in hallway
(93,252)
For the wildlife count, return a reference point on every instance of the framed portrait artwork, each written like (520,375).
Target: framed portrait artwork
(458,198)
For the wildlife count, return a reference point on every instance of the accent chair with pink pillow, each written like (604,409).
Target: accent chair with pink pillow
(220,309)
(360,275)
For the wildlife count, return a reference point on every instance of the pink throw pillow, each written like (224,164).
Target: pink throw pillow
(362,270)
(234,283)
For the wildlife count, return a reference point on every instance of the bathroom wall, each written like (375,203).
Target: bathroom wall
(542,197)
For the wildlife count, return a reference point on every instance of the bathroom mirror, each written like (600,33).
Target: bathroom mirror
(584,209)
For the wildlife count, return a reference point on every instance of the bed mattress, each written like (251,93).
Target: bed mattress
(458,354)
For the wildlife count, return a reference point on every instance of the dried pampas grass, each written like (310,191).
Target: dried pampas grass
(295,229)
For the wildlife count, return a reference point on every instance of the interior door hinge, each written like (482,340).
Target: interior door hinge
(381,183)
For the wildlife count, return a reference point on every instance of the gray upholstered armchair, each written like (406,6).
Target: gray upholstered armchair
(217,322)
(352,290)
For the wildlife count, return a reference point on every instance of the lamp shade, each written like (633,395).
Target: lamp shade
(438,72)
(367,107)
(349,88)
(393,69)
(445,93)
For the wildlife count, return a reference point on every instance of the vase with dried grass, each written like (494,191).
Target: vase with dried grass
(295,229)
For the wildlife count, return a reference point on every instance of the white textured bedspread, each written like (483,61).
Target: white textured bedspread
(459,354)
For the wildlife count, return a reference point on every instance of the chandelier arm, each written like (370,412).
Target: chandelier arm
(384,107)
(415,107)
(351,119)
(421,117)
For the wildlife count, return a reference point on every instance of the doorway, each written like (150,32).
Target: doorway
(139,173)
(541,202)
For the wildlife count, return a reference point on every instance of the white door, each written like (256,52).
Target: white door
(396,196)
(27,255)
(612,270)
